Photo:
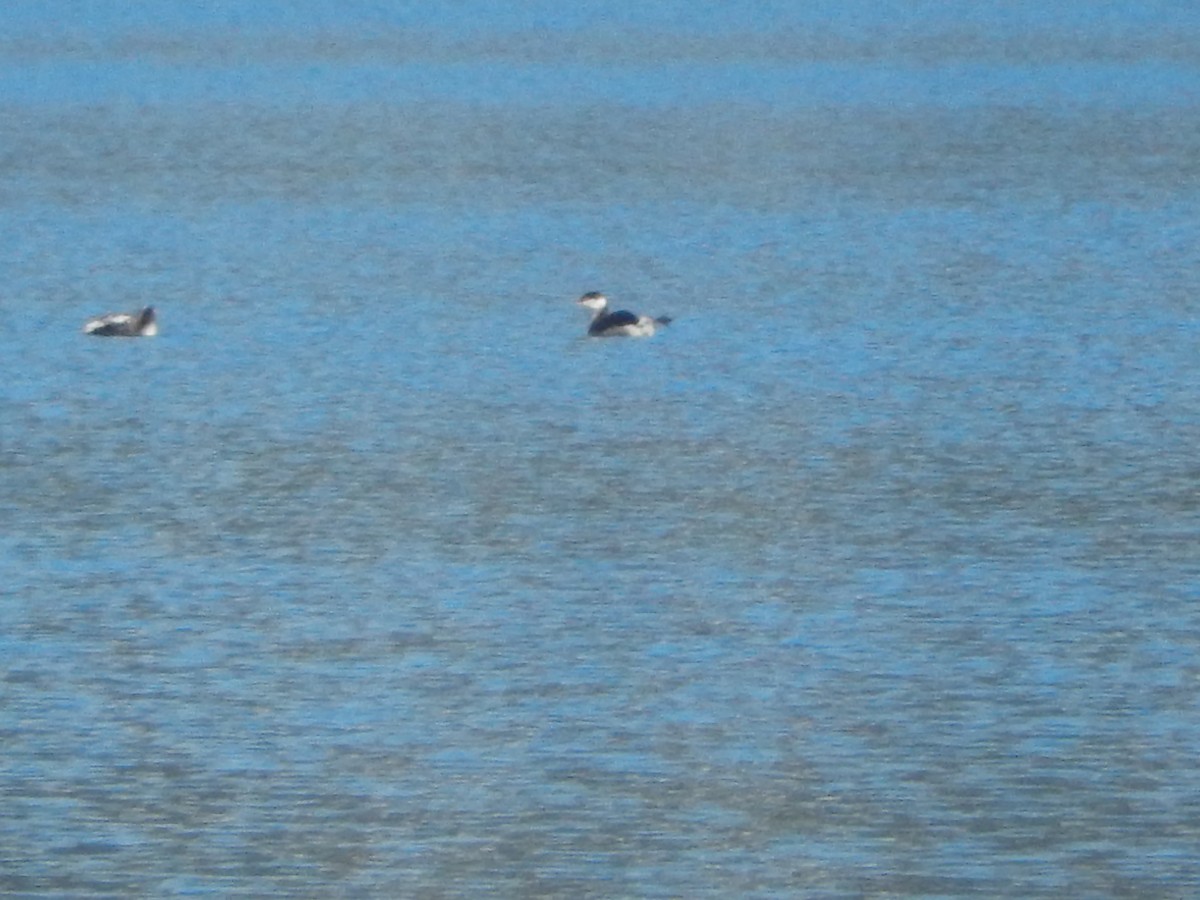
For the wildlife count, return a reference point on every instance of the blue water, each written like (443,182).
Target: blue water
(874,574)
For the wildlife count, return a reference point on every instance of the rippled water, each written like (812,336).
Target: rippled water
(875,574)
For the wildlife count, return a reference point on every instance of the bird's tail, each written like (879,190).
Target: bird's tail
(663,320)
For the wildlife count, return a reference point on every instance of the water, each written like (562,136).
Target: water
(874,575)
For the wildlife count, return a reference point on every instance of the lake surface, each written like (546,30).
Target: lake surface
(875,574)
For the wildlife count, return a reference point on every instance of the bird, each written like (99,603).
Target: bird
(140,324)
(617,323)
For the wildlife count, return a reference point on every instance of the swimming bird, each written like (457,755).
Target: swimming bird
(620,322)
(142,324)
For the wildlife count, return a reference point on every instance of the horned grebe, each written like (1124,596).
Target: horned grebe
(617,323)
(142,324)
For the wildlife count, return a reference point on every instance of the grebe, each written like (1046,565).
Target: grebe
(618,322)
(142,324)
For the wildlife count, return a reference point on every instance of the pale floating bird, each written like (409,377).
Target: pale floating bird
(619,322)
(141,324)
